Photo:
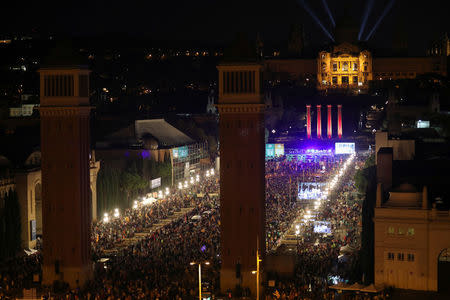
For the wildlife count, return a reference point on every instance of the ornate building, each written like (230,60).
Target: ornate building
(345,66)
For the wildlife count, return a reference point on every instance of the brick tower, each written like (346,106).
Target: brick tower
(65,148)
(242,173)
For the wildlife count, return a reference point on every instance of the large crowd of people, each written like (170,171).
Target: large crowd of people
(319,252)
(159,265)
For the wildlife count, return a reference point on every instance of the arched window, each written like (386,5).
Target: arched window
(445,255)
(345,66)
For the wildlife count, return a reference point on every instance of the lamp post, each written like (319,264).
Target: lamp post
(199,277)
(258,260)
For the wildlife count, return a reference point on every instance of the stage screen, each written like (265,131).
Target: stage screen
(310,190)
(322,227)
(279,149)
(180,152)
(270,150)
(344,148)
(423,124)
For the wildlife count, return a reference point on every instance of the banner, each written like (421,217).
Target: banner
(154,183)
(180,152)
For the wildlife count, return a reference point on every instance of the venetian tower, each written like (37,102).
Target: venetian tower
(242,173)
(65,147)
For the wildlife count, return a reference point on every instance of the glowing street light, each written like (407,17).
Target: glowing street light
(105,218)
(116,213)
(135,205)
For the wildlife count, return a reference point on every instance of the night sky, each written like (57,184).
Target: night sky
(219,20)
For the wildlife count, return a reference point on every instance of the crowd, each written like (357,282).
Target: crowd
(318,253)
(159,266)
(17,274)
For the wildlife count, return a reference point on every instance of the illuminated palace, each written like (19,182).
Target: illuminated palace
(348,66)
(345,66)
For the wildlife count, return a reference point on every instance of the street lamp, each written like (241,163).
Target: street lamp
(258,260)
(199,277)
(105,218)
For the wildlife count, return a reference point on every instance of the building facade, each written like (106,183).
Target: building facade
(348,66)
(412,241)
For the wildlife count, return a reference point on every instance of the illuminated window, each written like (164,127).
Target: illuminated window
(355,79)
(410,257)
(391,256)
(365,66)
(410,231)
(345,66)
(335,67)
(401,230)
(345,79)
(355,67)
(400,256)
(391,230)
(334,79)
(324,67)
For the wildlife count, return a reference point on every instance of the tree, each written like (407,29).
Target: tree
(131,183)
(362,176)
(12,226)
(109,192)
(212,145)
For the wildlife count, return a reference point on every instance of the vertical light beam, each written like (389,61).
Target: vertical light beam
(308,121)
(329,124)
(329,12)
(319,122)
(339,121)
(365,17)
(385,11)
(313,15)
